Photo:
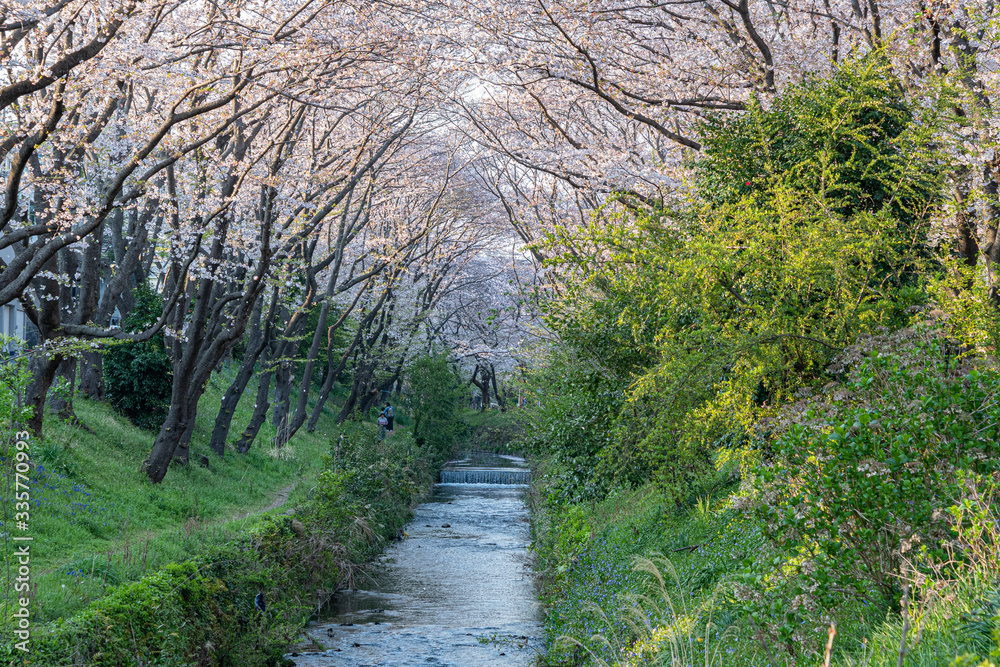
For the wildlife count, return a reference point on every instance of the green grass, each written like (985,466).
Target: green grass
(97,521)
(615,614)
(595,598)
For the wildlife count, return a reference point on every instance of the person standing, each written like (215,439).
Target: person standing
(388,413)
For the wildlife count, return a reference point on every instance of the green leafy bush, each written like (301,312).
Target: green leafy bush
(138,375)
(858,494)
(435,401)
(493,430)
(571,428)
(368,486)
(14,378)
(852,137)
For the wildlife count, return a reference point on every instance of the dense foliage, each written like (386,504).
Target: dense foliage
(14,377)
(852,138)
(435,401)
(493,430)
(776,329)
(905,433)
(687,325)
(138,375)
(860,488)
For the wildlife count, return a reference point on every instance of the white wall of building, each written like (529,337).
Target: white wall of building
(13,321)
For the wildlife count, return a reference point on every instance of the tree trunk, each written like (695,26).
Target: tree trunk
(324,392)
(185,359)
(214,327)
(496,390)
(259,339)
(176,423)
(365,387)
(483,385)
(332,374)
(44,366)
(965,223)
(87,309)
(283,383)
(307,371)
(43,371)
(992,248)
(259,414)
(191,374)
(182,453)
(227,408)
(284,377)
(357,387)
(92,375)
(166,441)
(331,378)
(61,402)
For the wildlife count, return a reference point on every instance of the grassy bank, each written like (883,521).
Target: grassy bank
(99,522)
(633,580)
(127,572)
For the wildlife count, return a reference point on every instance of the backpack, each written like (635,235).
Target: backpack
(388,411)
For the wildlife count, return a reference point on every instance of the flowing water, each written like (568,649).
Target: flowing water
(485,476)
(456,591)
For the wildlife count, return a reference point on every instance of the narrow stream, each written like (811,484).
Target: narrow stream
(456,591)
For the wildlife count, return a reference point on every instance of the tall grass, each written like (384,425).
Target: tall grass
(931,631)
(684,611)
(665,626)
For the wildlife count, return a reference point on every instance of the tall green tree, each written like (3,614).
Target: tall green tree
(435,404)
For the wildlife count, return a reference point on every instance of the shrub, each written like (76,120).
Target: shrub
(571,425)
(852,136)
(14,378)
(138,375)
(864,486)
(371,480)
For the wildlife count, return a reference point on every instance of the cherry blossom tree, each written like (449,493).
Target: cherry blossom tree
(205,144)
(590,106)
(281,171)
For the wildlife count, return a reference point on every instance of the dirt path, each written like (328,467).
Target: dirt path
(279,499)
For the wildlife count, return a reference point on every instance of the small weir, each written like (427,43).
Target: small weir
(485,476)
(456,591)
